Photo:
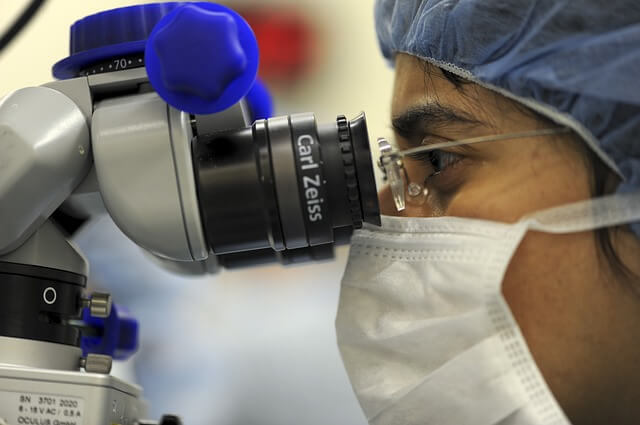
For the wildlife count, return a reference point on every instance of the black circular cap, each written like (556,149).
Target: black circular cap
(364,170)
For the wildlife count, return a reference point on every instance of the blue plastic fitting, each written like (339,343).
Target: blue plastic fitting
(118,334)
(260,101)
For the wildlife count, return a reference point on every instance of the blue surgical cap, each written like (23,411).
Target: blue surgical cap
(575,62)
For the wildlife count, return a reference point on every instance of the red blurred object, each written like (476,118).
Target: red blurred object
(286,39)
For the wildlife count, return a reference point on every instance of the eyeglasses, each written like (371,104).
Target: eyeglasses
(392,166)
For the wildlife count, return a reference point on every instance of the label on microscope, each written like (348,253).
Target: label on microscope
(24,408)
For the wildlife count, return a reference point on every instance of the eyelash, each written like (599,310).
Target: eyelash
(438,159)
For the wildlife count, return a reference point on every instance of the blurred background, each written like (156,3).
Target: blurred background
(253,346)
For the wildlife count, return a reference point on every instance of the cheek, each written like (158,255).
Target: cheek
(548,276)
(554,289)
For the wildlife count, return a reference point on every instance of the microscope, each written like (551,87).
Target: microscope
(156,118)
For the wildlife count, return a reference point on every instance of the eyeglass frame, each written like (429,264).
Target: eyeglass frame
(392,166)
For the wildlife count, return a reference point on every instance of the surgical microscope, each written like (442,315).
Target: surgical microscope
(155,118)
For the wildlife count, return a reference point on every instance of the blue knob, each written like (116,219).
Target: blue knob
(116,336)
(201,58)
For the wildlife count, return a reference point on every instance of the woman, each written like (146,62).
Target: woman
(504,314)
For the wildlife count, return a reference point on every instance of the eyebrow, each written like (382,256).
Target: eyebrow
(422,119)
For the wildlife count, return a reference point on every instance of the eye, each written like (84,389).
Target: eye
(441,160)
(436,160)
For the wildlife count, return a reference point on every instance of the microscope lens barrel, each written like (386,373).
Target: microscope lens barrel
(284,185)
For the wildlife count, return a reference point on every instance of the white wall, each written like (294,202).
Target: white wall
(245,347)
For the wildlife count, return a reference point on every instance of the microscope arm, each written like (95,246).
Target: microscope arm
(45,152)
(104,143)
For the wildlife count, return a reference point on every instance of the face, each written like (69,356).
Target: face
(581,326)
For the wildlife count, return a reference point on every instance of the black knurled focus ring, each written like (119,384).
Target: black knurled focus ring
(351,179)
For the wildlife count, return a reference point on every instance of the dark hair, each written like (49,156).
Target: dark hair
(603,182)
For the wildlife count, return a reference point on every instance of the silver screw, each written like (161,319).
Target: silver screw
(99,304)
(414,189)
(96,363)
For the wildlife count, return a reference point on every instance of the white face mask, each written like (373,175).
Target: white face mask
(424,332)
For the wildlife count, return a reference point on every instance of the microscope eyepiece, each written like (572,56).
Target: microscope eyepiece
(284,185)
